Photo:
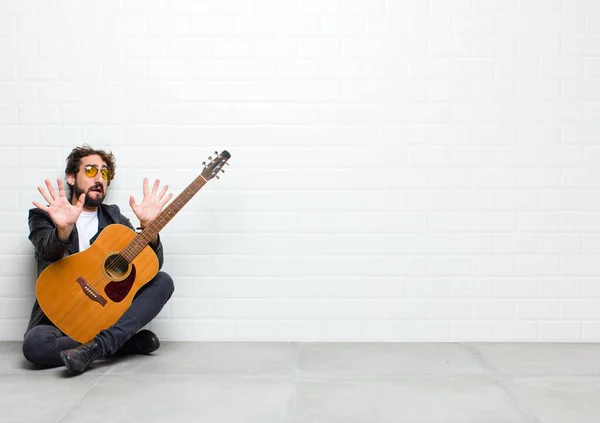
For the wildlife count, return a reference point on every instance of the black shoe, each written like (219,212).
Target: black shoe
(79,359)
(143,342)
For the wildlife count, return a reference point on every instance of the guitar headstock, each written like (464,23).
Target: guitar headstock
(212,169)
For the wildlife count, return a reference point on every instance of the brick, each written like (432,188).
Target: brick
(560,332)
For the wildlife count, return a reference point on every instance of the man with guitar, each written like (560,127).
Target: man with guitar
(70,224)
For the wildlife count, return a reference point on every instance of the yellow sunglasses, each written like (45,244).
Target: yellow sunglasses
(91,171)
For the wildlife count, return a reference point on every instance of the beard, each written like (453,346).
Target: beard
(89,201)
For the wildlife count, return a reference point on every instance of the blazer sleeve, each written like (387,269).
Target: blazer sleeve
(44,237)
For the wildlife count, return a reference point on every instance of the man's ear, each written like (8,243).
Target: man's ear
(71,179)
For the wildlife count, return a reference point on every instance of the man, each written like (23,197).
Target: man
(67,225)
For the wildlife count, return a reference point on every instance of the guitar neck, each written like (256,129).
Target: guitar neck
(141,240)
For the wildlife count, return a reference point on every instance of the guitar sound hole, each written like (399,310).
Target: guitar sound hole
(116,267)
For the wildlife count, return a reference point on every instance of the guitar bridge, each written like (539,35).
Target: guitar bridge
(91,292)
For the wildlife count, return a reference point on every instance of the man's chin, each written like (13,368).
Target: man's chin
(93,202)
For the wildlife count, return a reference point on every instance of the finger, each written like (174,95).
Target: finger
(61,188)
(41,206)
(145,186)
(80,202)
(155,187)
(163,192)
(45,194)
(50,189)
(132,202)
(166,200)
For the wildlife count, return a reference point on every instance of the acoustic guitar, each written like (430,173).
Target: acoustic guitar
(87,292)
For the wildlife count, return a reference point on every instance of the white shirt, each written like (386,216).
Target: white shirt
(87,226)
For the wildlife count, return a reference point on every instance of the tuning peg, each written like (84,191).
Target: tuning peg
(227,163)
(209,158)
(223,170)
(203,163)
(216,153)
(217,177)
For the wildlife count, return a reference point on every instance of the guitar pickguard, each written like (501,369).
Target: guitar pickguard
(118,290)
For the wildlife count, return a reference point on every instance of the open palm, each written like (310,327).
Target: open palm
(61,211)
(152,203)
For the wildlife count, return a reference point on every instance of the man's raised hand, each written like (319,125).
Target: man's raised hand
(61,211)
(152,202)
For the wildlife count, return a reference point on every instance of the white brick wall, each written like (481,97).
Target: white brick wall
(402,170)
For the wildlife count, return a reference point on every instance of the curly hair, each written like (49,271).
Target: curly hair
(78,153)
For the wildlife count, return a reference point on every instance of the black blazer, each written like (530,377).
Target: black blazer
(48,248)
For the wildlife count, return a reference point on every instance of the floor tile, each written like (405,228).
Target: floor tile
(385,359)
(540,358)
(185,398)
(559,399)
(414,399)
(41,398)
(220,358)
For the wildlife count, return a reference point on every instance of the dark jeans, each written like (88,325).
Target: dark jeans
(43,343)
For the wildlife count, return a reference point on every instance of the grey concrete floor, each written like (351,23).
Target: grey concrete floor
(232,382)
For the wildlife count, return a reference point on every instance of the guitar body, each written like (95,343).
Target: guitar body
(89,291)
